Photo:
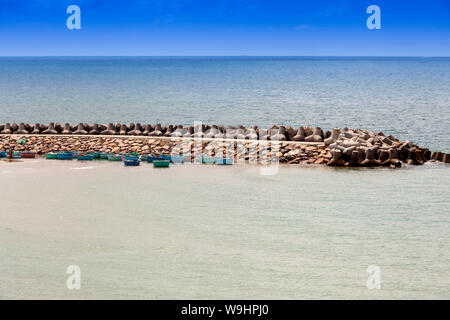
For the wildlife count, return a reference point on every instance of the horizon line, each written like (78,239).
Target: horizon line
(222,56)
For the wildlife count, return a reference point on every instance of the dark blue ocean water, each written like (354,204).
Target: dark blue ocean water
(406,97)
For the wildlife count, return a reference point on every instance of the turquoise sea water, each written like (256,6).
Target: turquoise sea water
(198,231)
(406,97)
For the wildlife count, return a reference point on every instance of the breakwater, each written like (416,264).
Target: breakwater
(336,147)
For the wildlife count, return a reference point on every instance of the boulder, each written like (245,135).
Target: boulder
(80,130)
(446,158)
(67,129)
(336,159)
(157,132)
(21,129)
(7,129)
(95,129)
(51,129)
(110,130)
(333,137)
(300,135)
(370,161)
(36,129)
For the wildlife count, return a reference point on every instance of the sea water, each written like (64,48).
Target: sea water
(199,231)
(406,97)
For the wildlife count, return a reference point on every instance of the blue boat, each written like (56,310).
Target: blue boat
(150,158)
(86,156)
(131,161)
(66,155)
(128,157)
(3,154)
(16,155)
(164,157)
(224,161)
(208,160)
(177,159)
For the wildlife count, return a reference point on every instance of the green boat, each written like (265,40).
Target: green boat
(114,157)
(161,163)
(131,154)
(51,155)
(96,155)
(16,155)
(104,156)
(85,157)
(208,160)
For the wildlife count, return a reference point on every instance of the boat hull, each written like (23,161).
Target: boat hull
(86,157)
(28,155)
(131,162)
(64,156)
(51,156)
(161,163)
(224,161)
(114,158)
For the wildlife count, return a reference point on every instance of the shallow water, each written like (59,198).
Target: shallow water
(199,231)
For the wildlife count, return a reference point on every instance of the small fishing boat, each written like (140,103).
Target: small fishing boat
(129,155)
(85,156)
(66,155)
(161,163)
(16,155)
(114,157)
(96,155)
(208,160)
(51,155)
(224,161)
(3,154)
(131,161)
(162,157)
(177,159)
(150,158)
(104,156)
(28,155)
(145,157)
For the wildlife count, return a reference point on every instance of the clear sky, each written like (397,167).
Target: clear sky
(225,27)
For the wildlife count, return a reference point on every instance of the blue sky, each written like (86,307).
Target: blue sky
(225,27)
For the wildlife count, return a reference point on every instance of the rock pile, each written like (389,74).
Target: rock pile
(279,133)
(359,147)
(346,147)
